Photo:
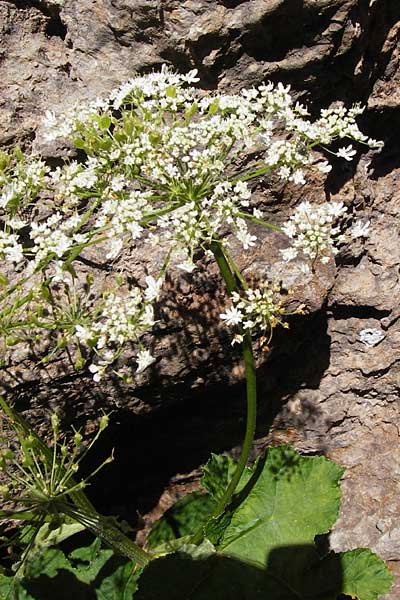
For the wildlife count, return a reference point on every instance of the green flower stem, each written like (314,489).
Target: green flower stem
(223,261)
(235,270)
(251,385)
(254,219)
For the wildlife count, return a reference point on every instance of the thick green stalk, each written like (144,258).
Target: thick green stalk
(109,533)
(251,387)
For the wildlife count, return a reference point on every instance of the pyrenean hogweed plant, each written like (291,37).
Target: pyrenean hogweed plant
(159,163)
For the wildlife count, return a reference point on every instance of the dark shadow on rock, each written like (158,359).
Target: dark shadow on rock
(177,437)
(383,124)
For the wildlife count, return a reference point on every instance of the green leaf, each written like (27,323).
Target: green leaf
(170,91)
(365,575)
(10,589)
(48,563)
(179,577)
(48,536)
(218,472)
(213,108)
(87,572)
(104,122)
(121,584)
(79,143)
(294,499)
(267,549)
(182,519)
(88,561)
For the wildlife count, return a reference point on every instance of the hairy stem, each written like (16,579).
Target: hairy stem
(109,533)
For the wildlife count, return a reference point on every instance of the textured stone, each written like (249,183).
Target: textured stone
(329,391)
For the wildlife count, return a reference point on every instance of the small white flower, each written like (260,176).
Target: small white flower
(14,253)
(16,223)
(191,77)
(98,371)
(375,143)
(84,335)
(242,190)
(237,339)
(324,167)
(246,238)
(298,177)
(360,229)
(153,288)
(187,266)
(144,359)
(115,248)
(288,254)
(232,316)
(347,153)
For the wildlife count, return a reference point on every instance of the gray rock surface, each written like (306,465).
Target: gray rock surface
(331,391)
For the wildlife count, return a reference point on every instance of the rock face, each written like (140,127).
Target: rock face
(334,382)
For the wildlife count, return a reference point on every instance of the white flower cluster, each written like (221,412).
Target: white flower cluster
(312,231)
(168,161)
(55,236)
(198,223)
(334,123)
(68,182)
(172,161)
(63,125)
(10,249)
(155,91)
(121,319)
(121,216)
(21,184)
(259,308)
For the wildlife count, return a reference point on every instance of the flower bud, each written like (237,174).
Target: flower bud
(5,492)
(103,422)
(55,422)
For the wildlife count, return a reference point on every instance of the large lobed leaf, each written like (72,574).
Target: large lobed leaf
(267,551)
(294,499)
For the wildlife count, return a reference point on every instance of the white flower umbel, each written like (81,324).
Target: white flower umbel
(20,183)
(260,309)
(56,236)
(122,318)
(313,232)
(168,164)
